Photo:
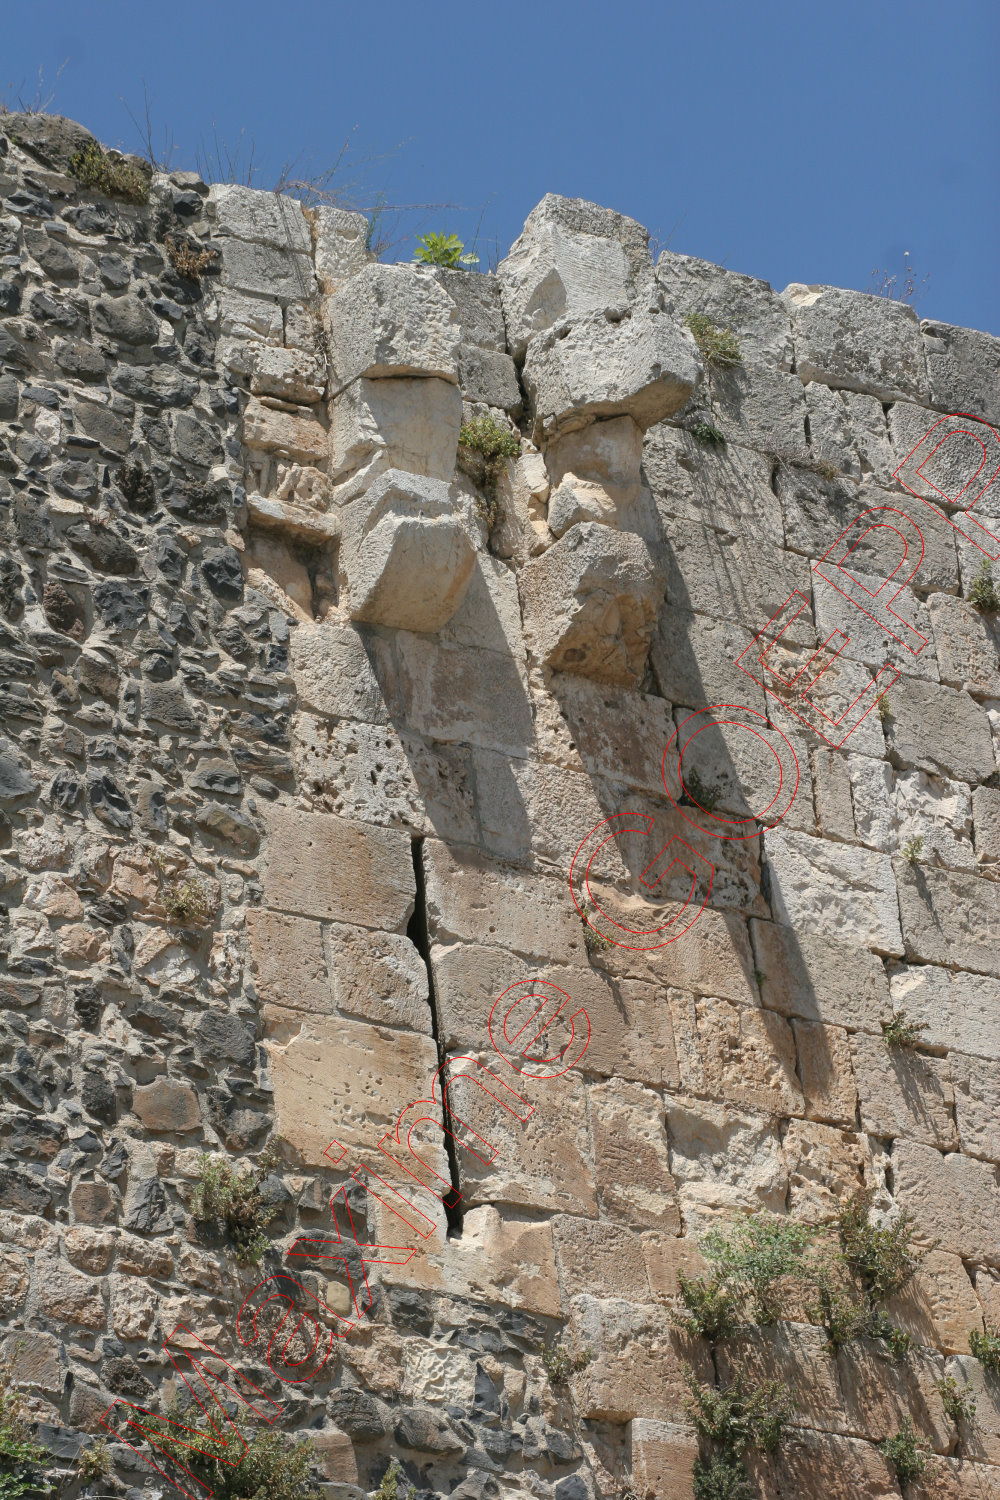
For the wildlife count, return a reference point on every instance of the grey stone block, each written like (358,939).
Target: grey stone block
(282,275)
(857,342)
(755,313)
(963,369)
(263,218)
(934,728)
(391,320)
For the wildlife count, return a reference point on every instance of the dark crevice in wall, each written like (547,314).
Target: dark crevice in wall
(416,931)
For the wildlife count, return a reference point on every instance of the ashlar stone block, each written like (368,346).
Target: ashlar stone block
(409,424)
(857,342)
(406,553)
(332,868)
(591,601)
(391,320)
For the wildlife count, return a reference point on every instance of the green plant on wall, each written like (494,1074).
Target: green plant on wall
(20,1458)
(443,250)
(718,346)
(94,168)
(233,1201)
(274,1466)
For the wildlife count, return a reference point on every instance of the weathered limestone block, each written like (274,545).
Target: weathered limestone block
(391,320)
(595,475)
(486,372)
(949,917)
(288,961)
(755,313)
(339,245)
(261,217)
(968,646)
(735,1053)
(729,490)
(799,1355)
(848,430)
(954,1199)
(893,807)
(327,867)
(293,375)
(542,1162)
(880,1393)
(471,899)
(631,1159)
(956,1479)
(662,1457)
(590,603)
(939,1306)
(490,378)
(825,1068)
(869,640)
(341,672)
(572,258)
(760,407)
(942,468)
(694,658)
(825,1166)
(844,894)
(721,1158)
(284,275)
(642,365)
(379,976)
(393,424)
(609,732)
(167,1104)
(370,772)
(963,370)
(838,1468)
(407,552)
(296,436)
(857,342)
(249,320)
(977,1105)
(458,693)
(960,1011)
(986,822)
(969,1373)
(725,576)
(903,1092)
(638,1361)
(601,1258)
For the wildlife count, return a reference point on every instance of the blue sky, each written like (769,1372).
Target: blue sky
(798,142)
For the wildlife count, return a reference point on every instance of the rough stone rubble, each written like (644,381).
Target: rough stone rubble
(300,735)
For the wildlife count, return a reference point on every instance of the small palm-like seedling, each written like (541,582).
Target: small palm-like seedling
(958,1401)
(900,1031)
(443,250)
(983,591)
(906,1452)
(986,1347)
(913,850)
(718,346)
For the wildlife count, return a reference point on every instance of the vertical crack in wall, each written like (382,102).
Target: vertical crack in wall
(416,931)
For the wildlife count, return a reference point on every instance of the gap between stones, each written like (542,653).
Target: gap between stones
(416,931)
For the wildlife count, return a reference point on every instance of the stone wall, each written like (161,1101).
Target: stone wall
(306,715)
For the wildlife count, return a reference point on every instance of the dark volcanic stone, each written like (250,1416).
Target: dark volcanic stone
(226,1038)
(223,574)
(98,1098)
(124,1377)
(357,1414)
(229,826)
(53,139)
(120,607)
(126,319)
(108,800)
(14,782)
(427,1431)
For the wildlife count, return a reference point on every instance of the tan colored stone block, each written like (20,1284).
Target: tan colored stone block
(661,1457)
(722,1158)
(986,822)
(958,1010)
(844,893)
(34,1359)
(988,1295)
(478,900)
(287,955)
(92,1203)
(335,1452)
(826,1071)
(953,1198)
(632,1162)
(497,1259)
(322,866)
(637,1364)
(139,1257)
(825,1166)
(818,979)
(167,1104)
(199,1269)
(949,917)
(939,1306)
(133,1307)
(665,1256)
(66,1296)
(796,1353)
(977,1105)
(26,1231)
(880,1392)
(837,1468)
(955,1479)
(89,1249)
(379,976)
(544,1162)
(733,1052)
(600,1258)
(903,1092)
(296,436)
(983,1443)
(341,672)
(15,1275)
